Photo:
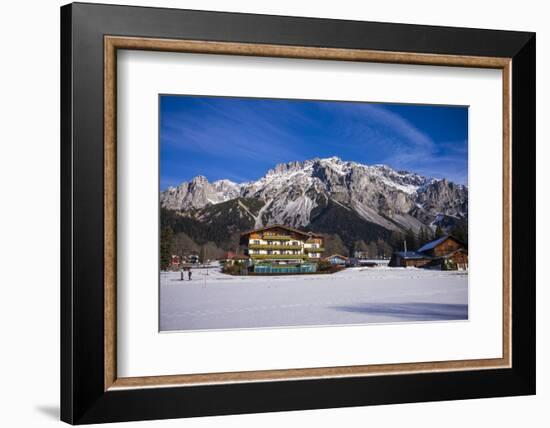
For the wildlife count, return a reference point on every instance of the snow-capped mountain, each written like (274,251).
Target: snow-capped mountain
(198,193)
(303,194)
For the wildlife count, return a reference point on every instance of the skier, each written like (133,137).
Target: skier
(189,274)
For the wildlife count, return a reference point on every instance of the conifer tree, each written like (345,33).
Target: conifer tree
(412,242)
(166,247)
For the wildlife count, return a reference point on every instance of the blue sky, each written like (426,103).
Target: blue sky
(241,138)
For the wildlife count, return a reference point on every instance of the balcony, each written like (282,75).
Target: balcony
(277,238)
(278,256)
(314,250)
(274,247)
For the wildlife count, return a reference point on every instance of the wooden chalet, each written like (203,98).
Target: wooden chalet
(444,253)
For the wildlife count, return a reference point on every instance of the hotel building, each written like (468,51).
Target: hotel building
(281,249)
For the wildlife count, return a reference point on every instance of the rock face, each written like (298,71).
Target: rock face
(198,193)
(298,194)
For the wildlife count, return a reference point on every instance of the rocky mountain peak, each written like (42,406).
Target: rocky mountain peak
(295,193)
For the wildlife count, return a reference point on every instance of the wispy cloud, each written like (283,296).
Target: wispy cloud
(240,139)
(403,145)
(238,131)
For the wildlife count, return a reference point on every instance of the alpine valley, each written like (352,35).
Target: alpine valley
(348,201)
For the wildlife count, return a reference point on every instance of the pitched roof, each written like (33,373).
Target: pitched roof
(412,255)
(290,229)
(433,244)
(336,255)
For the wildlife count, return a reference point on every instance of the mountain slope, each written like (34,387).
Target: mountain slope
(337,219)
(374,199)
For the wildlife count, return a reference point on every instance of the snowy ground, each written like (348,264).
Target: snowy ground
(352,296)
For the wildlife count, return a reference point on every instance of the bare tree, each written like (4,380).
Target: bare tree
(334,245)
(212,251)
(184,245)
(372,250)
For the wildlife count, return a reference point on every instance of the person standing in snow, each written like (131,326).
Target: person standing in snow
(189,274)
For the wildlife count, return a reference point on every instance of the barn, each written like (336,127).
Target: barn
(409,259)
(446,253)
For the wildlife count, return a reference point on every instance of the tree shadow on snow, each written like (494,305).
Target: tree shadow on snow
(410,311)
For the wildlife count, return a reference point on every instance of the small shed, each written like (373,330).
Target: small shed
(355,262)
(336,259)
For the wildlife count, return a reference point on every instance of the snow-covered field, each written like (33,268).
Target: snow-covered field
(352,296)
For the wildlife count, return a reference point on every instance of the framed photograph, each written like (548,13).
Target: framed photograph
(266,213)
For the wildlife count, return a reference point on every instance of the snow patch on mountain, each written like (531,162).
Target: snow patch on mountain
(292,192)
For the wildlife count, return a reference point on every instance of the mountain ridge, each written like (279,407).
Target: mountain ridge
(294,193)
